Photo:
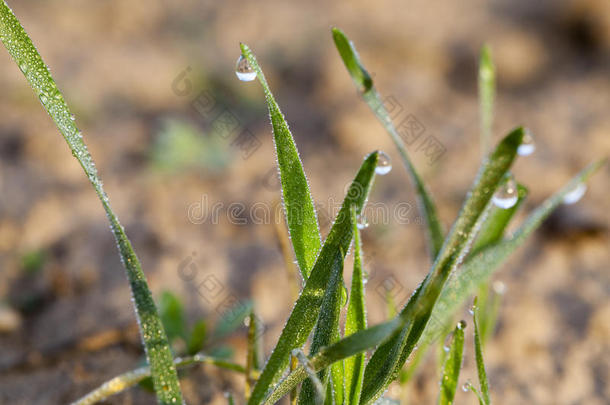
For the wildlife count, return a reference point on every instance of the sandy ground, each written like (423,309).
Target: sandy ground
(67,322)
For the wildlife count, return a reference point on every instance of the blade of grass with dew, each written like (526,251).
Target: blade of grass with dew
(298,203)
(384,366)
(364,83)
(355,321)
(487,86)
(253,357)
(131,378)
(158,353)
(392,335)
(452,367)
(484,385)
(479,267)
(326,327)
(305,312)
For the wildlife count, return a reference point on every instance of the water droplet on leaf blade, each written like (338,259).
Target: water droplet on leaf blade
(506,196)
(384,164)
(527,146)
(243,70)
(575,194)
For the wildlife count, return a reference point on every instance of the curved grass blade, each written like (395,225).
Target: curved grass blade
(127,380)
(487,88)
(306,310)
(355,321)
(479,267)
(452,367)
(385,364)
(326,328)
(159,356)
(479,358)
(364,83)
(298,203)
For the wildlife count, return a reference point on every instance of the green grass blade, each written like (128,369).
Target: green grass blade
(355,321)
(326,327)
(22,50)
(385,364)
(452,367)
(487,87)
(478,268)
(363,81)
(306,310)
(479,358)
(298,203)
(131,378)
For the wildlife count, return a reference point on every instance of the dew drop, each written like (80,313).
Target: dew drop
(384,164)
(575,194)
(499,287)
(461,325)
(362,222)
(506,196)
(467,386)
(527,146)
(243,70)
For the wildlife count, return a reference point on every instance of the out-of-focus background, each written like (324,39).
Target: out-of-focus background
(186,154)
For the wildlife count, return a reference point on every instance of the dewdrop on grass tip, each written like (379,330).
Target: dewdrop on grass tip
(243,70)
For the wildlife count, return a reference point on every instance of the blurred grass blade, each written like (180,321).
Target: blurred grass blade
(386,362)
(364,83)
(453,364)
(172,316)
(126,380)
(479,358)
(230,400)
(487,88)
(253,357)
(158,353)
(480,266)
(306,310)
(326,327)
(355,321)
(197,337)
(298,203)
(492,229)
